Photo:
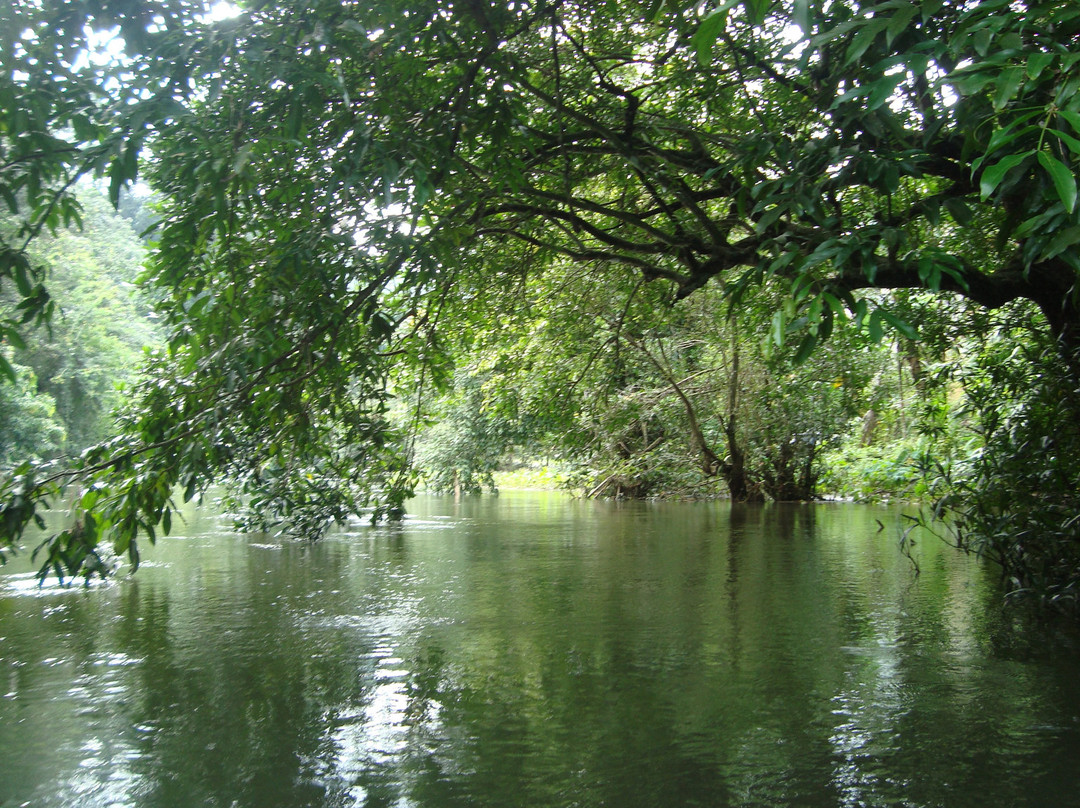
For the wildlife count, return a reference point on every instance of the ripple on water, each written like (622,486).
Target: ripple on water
(27,584)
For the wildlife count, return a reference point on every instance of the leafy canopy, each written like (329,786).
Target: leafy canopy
(336,174)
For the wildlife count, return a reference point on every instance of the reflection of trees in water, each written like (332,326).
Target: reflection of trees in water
(624,655)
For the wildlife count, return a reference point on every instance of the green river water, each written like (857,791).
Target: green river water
(532,650)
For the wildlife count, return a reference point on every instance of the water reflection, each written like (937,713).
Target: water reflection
(536,651)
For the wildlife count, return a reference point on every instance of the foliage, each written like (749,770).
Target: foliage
(343,186)
(646,400)
(70,108)
(28,425)
(535,475)
(875,473)
(461,450)
(94,344)
(1015,496)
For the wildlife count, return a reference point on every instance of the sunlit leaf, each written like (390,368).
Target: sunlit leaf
(709,29)
(778,328)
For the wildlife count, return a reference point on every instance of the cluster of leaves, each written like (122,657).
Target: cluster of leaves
(461,450)
(28,424)
(1014,497)
(71,107)
(917,111)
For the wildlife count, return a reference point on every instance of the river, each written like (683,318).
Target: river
(532,650)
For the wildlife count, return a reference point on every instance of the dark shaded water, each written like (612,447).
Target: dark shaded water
(535,651)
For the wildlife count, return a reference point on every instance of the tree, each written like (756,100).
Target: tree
(461,450)
(28,424)
(334,174)
(646,399)
(94,344)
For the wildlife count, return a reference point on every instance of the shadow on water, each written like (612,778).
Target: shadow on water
(534,650)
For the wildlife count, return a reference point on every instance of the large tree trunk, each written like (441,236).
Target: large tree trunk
(742,486)
(789,476)
(739,481)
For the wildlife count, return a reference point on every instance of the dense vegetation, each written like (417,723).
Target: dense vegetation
(69,377)
(659,239)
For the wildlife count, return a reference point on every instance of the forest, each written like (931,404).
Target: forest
(327,253)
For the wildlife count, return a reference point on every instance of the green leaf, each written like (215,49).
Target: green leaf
(707,32)
(992,177)
(1011,41)
(899,22)
(243,157)
(930,272)
(116,182)
(22,280)
(1066,96)
(806,348)
(883,89)
(1007,86)
(14,338)
(1073,118)
(930,8)
(1043,220)
(770,217)
(756,10)
(834,303)
(6,369)
(778,328)
(1072,143)
(1006,135)
(959,211)
(1064,181)
(970,82)
(873,327)
(902,326)
(861,308)
(191,488)
(825,326)
(864,39)
(9,198)
(1062,241)
(801,15)
(1037,63)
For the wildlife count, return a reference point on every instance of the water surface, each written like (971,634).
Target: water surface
(531,650)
